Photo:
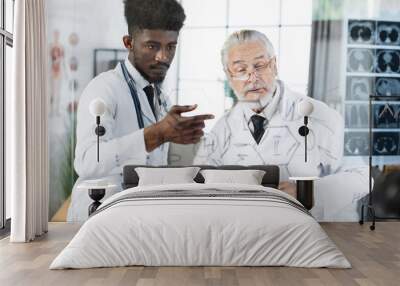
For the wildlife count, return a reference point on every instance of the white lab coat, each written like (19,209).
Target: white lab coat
(231,142)
(123,142)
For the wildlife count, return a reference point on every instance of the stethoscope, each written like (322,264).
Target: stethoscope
(131,84)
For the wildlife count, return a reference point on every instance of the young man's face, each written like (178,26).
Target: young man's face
(151,52)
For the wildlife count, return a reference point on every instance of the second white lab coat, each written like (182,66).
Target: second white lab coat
(337,192)
(230,142)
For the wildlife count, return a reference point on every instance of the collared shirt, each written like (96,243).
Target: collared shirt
(141,83)
(267,103)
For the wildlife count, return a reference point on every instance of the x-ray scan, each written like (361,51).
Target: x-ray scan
(359,88)
(360,60)
(386,115)
(388,33)
(385,143)
(356,116)
(356,143)
(361,32)
(388,61)
(387,86)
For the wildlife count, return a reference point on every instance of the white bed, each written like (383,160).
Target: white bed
(250,225)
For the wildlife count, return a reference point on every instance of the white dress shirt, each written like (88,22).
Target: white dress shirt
(267,104)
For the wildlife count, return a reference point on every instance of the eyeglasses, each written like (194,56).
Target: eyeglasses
(243,74)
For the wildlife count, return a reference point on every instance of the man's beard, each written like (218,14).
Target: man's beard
(158,66)
(257,85)
(150,79)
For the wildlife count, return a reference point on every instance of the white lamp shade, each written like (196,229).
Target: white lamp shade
(305,108)
(97,107)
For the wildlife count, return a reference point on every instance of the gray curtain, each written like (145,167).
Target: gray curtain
(326,62)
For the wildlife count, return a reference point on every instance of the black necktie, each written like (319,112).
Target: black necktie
(149,90)
(258,123)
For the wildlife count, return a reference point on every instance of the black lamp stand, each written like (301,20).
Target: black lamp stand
(303,131)
(100,131)
(305,193)
(96,195)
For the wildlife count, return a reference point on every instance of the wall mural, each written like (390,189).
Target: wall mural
(236,137)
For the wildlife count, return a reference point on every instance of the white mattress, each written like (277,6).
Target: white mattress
(183,231)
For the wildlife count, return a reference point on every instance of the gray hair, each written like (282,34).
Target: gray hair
(245,36)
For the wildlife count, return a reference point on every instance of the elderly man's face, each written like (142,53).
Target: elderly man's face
(251,71)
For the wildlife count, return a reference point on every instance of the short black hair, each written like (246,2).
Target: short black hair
(165,15)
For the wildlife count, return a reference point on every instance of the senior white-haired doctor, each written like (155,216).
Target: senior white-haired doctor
(262,128)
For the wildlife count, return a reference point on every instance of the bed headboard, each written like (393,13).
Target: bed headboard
(270,179)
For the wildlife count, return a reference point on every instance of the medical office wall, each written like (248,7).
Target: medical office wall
(354,48)
(355,55)
(85,39)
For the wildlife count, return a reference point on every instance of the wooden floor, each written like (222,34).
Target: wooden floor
(375,257)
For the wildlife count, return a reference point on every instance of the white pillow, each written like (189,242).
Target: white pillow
(165,176)
(248,177)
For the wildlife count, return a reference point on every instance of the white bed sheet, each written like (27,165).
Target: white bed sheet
(200,231)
